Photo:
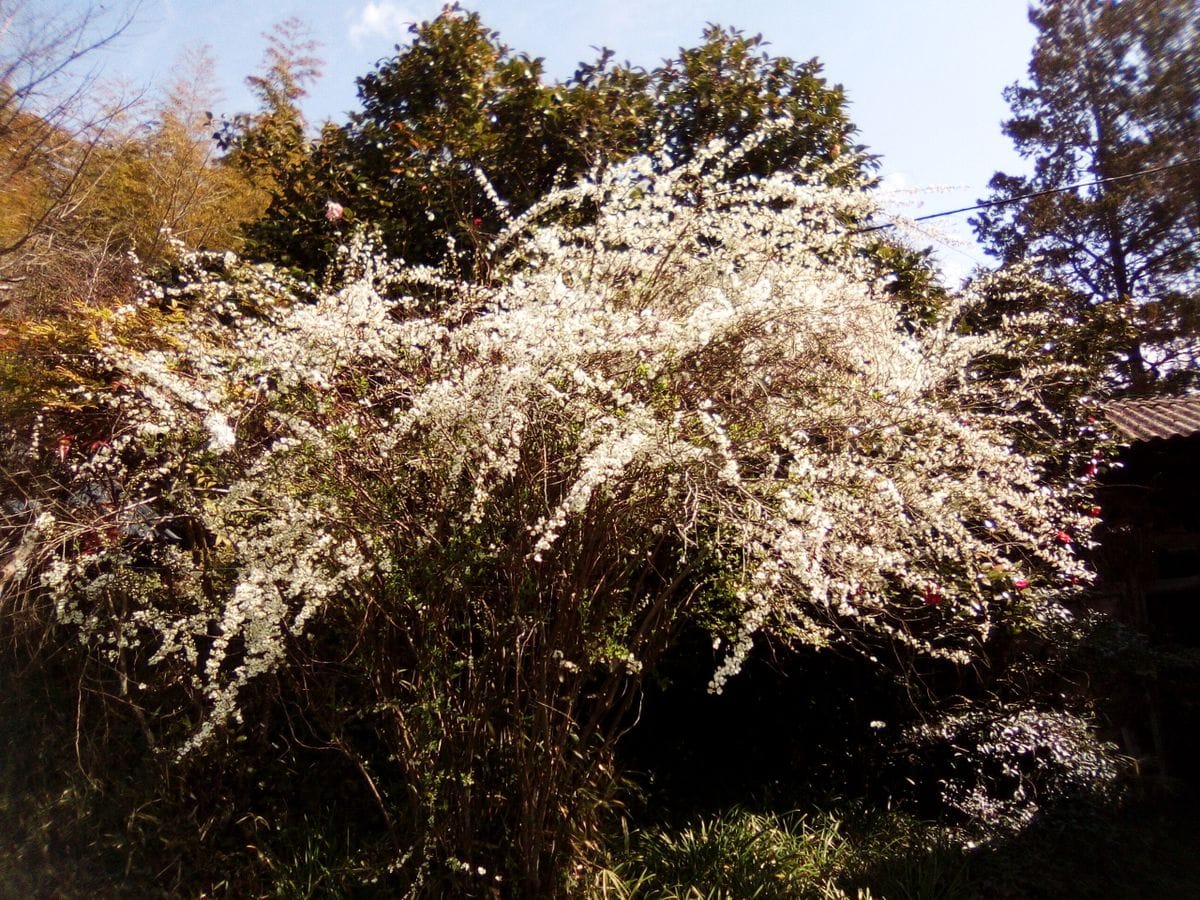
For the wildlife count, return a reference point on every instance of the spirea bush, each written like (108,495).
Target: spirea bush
(1005,764)
(456,520)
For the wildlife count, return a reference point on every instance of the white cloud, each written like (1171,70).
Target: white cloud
(895,181)
(382,19)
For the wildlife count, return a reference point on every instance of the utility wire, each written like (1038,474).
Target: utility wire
(1059,190)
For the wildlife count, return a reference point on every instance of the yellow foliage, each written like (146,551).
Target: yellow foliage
(73,205)
(46,365)
(164,180)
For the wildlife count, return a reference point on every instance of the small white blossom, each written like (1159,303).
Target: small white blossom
(223,437)
(661,384)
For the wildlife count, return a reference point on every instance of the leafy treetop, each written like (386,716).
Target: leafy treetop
(455,102)
(1113,91)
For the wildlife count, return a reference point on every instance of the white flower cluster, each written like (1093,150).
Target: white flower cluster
(1009,763)
(705,366)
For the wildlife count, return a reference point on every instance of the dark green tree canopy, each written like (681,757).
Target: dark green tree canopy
(271,143)
(1113,91)
(455,103)
(729,85)
(272,147)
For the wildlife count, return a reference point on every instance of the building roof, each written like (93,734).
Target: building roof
(1144,420)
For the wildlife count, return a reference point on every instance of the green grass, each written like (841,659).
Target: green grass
(1144,851)
(745,854)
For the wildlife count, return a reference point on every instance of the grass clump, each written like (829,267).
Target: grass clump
(741,853)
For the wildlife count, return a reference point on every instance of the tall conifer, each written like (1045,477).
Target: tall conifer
(1112,101)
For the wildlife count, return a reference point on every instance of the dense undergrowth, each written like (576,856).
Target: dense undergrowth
(111,822)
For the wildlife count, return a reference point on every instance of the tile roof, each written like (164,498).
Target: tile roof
(1144,420)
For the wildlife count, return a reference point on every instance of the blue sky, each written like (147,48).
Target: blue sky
(924,77)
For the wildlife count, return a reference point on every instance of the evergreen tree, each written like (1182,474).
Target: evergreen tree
(455,102)
(272,145)
(729,85)
(1112,101)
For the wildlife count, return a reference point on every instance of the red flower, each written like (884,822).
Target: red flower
(931,596)
(1063,537)
(1021,583)
(1094,512)
(477,222)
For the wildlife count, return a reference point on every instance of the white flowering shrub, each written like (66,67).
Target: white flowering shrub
(1007,764)
(485,506)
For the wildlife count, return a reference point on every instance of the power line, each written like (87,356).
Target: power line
(1059,190)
